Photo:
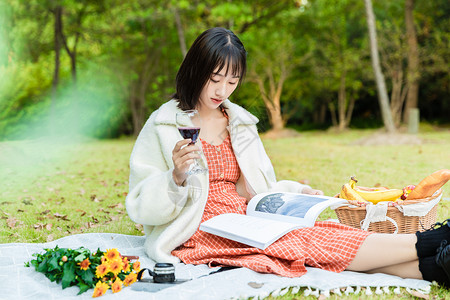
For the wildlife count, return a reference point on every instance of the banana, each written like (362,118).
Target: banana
(350,191)
(347,192)
(378,196)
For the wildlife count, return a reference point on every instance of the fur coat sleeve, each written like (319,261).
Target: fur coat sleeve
(154,198)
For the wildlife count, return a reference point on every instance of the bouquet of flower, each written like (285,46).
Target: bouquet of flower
(99,270)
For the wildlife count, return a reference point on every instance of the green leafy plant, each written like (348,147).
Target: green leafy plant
(99,270)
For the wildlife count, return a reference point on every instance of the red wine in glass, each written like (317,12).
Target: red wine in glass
(190,133)
(189,124)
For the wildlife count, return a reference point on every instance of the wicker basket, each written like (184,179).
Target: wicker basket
(353,216)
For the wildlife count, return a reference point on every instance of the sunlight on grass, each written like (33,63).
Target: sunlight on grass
(54,189)
(87,181)
(84,192)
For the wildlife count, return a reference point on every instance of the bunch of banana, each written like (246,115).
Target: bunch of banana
(350,191)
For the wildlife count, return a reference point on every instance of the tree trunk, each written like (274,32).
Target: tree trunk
(180,32)
(134,110)
(322,113)
(351,106)
(139,90)
(73,71)
(342,105)
(272,102)
(398,93)
(413,60)
(57,12)
(379,78)
(275,115)
(73,52)
(332,109)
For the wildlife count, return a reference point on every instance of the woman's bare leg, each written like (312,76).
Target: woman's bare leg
(382,250)
(405,270)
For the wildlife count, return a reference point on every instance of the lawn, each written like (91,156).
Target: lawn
(50,189)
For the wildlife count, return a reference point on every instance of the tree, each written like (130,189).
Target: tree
(72,52)
(270,76)
(307,58)
(271,64)
(433,22)
(339,59)
(413,74)
(146,55)
(57,12)
(180,31)
(74,13)
(394,59)
(379,78)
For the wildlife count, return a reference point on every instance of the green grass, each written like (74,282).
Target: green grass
(54,189)
(51,189)
(328,160)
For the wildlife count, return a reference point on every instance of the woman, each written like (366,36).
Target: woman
(171,204)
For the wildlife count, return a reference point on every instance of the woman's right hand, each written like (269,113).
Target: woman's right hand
(183,155)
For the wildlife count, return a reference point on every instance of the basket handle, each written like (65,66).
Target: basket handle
(365,225)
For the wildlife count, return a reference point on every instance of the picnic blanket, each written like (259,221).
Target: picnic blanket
(20,282)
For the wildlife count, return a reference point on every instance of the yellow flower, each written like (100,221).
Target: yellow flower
(102,270)
(116,286)
(84,265)
(100,289)
(137,266)
(130,279)
(126,265)
(115,266)
(112,254)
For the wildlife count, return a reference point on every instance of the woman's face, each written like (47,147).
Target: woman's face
(217,89)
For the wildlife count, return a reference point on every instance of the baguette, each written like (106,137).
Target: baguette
(429,185)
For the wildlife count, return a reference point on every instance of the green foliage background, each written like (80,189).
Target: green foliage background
(128,53)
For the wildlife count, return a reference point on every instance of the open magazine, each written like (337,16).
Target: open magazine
(269,216)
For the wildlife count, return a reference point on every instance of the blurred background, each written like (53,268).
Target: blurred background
(98,68)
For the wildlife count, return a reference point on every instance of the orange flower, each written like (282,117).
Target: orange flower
(112,254)
(116,286)
(137,266)
(126,265)
(102,270)
(100,289)
(115,267)
(130,279)
(84,265)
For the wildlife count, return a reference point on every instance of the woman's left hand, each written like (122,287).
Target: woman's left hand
(310,191)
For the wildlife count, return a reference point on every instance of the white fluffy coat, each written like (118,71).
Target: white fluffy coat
(171,214)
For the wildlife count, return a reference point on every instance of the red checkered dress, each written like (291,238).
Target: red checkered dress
(328,245)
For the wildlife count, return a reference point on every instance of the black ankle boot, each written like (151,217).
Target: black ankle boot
(433,267)
(429,240)
(443,259)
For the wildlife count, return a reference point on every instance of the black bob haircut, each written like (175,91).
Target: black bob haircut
(214,48)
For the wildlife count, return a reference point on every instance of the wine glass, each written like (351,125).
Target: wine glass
(189,123)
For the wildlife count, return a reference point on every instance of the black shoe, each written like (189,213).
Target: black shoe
(430,239)
(438,225)
(443,257)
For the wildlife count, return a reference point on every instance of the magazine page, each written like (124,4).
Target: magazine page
(249,230)
(301,209)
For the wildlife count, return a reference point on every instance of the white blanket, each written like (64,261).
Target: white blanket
(19,282)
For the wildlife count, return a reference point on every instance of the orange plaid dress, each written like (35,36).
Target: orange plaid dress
(328,245)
